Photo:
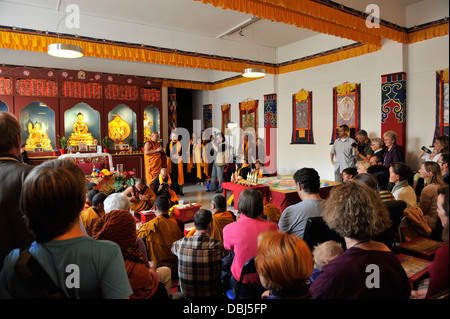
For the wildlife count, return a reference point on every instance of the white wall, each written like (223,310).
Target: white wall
(424,59)
(420,61)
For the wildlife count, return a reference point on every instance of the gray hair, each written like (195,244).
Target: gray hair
(377,141)
(391,134)
(116,201)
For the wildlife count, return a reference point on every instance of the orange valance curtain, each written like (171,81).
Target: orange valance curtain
(316,17)
(39,42)
(325,19)
(429,33)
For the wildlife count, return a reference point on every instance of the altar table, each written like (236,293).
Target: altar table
(278,190)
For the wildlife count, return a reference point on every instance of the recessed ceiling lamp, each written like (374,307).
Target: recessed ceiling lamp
(253,73)
(64,50)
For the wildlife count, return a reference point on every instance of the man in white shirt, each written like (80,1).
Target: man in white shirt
(342,153)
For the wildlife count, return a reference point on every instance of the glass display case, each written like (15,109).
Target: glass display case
(3,106)
(82,127)
(122,128)
(37,122)
(151,121)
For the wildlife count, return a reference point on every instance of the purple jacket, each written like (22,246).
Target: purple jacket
(393,155)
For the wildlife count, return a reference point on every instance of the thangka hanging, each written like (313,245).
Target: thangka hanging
(207,116)
(302,132)
(270,132)
(442,107)
(393,106)
(225,108)
(346,108)
(248,117)
(172,112)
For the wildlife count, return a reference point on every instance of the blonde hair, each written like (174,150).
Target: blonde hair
(285,261)
(363,164)
(326,252)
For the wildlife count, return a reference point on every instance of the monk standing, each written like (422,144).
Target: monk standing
(152,158)
(175,160)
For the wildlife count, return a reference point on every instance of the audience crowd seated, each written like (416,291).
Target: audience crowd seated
(127,259)
(356,212)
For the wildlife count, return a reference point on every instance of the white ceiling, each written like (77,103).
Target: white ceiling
(178,24)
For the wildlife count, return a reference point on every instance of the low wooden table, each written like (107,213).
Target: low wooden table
(185,213)
(145,215)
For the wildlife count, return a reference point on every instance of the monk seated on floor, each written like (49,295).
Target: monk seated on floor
(141,196)
(159,234)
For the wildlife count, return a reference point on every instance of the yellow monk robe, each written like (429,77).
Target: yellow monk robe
(198,159)
(89,217)
(153,163)
(141,205)
(173,195)
(241,173)
(219,221)
(160,233)
(179,164)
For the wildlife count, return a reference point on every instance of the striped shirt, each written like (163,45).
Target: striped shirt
(199,265)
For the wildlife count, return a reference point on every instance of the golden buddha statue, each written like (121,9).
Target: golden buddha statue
(118,130)
(38,137)
(81,134)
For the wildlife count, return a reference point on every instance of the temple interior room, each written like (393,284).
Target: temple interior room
(224,149)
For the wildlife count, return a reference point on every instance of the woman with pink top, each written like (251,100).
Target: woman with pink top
(241,237)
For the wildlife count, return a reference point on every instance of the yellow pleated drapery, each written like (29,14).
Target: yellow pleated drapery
(325,19)
(18,40)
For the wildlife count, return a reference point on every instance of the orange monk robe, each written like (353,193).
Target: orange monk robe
(219,221)
(189,164)
(89,217)
(179,164)
(141,205)
(160,233)
(152,162)
(272,212)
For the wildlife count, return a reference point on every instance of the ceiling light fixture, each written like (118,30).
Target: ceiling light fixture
(253,73)
(64,50)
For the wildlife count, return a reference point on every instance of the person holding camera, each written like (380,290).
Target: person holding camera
(342,153)
(363,146)
(164,185)
(440,147)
